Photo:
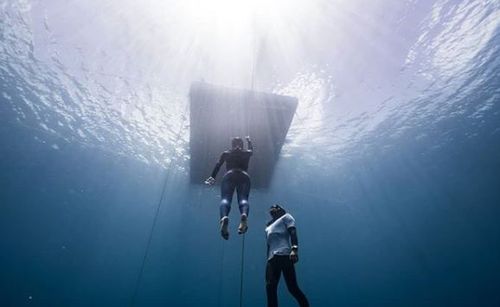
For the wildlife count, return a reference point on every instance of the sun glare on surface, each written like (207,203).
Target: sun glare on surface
(238,12)
(240,17)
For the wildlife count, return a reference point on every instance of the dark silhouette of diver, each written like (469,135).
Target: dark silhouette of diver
(236,177)
(282,256)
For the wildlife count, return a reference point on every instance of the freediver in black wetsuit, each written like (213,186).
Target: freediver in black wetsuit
(236,177)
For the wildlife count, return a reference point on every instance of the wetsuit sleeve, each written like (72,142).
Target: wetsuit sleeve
(218,165)
(293,235)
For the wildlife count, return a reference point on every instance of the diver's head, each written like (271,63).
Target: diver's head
(237,143)
(276,211)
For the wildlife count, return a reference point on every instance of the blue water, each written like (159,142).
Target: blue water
(391,166)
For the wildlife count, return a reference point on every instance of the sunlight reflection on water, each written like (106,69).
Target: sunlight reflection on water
(116,76)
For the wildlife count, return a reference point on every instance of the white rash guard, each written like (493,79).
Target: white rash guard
(278,237)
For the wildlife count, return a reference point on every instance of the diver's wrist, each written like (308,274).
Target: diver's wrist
(295,247)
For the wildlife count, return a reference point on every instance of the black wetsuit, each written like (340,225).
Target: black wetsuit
(275,266)
(236,177)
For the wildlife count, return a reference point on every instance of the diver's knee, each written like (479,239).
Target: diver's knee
(224,202)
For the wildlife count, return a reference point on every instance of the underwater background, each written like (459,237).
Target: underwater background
(391,166)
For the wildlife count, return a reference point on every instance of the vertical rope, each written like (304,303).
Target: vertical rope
(241,269)
(252,86)
(221,274)
(158,207)
(150,238)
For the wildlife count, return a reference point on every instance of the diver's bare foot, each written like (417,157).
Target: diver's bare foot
(224,223)
(243,224)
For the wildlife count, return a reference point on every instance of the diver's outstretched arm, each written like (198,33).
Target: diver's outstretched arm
(211,180)
(249,142)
